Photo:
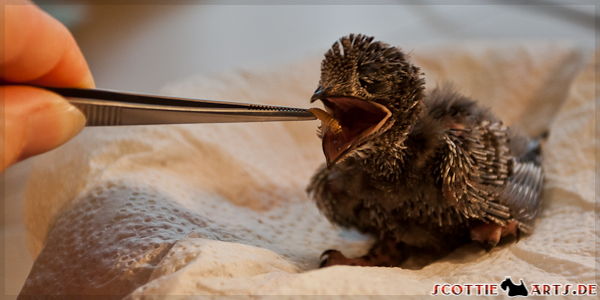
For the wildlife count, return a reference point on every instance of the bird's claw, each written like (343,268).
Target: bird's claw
(329,258)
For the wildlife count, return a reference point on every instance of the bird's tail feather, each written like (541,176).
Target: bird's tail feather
(533,153)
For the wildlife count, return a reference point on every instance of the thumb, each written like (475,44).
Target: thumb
(36,120)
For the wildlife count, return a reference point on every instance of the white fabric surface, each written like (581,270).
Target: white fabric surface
(220,208)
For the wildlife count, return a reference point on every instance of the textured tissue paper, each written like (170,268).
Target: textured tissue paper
(220,209)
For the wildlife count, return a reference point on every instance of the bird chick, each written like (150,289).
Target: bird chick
(422,174)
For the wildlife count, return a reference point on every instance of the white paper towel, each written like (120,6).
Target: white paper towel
(220,209)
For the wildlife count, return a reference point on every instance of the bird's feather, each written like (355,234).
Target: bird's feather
(438,171)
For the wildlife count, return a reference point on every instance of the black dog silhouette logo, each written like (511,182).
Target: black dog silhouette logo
(513,289)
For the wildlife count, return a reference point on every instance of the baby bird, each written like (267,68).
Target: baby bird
(422,174)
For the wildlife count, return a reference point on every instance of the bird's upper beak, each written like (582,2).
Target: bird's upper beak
(320,92)
(358,120)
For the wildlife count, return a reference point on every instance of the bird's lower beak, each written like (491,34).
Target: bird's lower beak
(334,146)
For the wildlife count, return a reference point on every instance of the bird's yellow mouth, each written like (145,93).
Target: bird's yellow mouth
(346,123)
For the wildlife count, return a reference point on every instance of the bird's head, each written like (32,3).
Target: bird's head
(367,88)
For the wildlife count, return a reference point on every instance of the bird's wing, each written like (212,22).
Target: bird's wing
(475,164)
(522,192)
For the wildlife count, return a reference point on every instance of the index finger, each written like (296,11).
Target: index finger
(40,50)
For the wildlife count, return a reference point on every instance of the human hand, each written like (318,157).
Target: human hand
(38,50)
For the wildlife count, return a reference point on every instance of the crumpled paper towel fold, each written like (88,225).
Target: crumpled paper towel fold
(220,209)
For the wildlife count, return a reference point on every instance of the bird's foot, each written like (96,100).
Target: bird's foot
(334,257)
(488,235)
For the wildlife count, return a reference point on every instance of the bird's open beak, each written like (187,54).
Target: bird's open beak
(357,118)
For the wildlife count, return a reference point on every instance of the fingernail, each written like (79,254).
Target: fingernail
(88,81)
(53,125)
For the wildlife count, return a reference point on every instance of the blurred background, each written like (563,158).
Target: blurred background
(142,47)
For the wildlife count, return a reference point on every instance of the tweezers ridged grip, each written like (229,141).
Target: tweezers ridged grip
(268,107)
(99,115)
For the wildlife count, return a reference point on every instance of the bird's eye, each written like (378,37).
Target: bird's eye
(368,84)
(362,82)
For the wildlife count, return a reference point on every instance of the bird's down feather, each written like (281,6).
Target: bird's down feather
(436,173)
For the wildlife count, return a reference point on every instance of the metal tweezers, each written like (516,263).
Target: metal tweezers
(111,108)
